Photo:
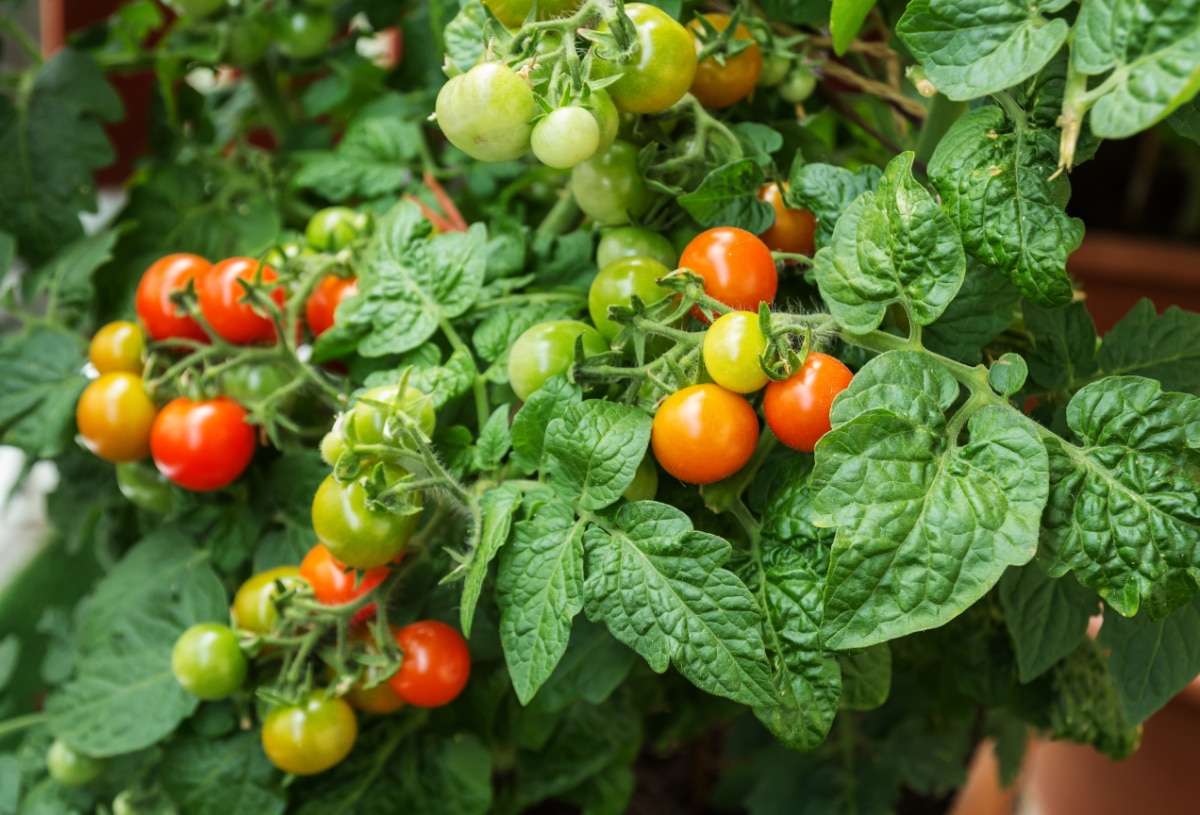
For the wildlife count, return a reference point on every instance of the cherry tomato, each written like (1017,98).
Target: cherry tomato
(617,283)
(634,241)
(704,434)
(115,416)
(203,445)
(436,664)
(488,112)
(354,533)
(379,698)
(74,769)
(145,487)
(797,409)
(644,485)
(661,68)
(160,317)
(309,737)
(252,383)
(208,662)
(254,604)
(732,347)
(221,295)
(794,230)
(775,69)
(565,137)
(546,350)
(196,8)
(799,85)
(609,186)
(374,407)
(334,228)
(305,33)
(608,118)
(512,13)
(334,583)
(332,446)
(719,86)
(246,40)
(118,346)
(321,308)
(737,268)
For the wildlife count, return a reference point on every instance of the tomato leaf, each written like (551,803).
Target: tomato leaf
(866,677)
(758,140)
(592,669)
(659,587)
(728,197)
(912,553)
(1163,346)
(827,191)
(539,589)
(593,451)
(497,507)
(67,277)
(1088,708)
(1185,121)
(972,48)
(984,306)
(464,36)
(1137,470)
(894,245)
(40,368)
(529,426)
(1046,617)
(219,776)
(845,19)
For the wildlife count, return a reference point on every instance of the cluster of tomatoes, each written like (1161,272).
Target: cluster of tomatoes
(299,30)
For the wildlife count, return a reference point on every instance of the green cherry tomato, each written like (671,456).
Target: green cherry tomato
(775,68)
(513,12)
(565,137)
(332,447)
(252,383)
(661,69)
(799,85)
(196,8)
(617,283)
(208,662)
(644,485)
(145,487)
(309,737)
(253,606)
(487,112)
(66,766)
(334,228)
(246,40)
(352,531)
(609,187)
(732,346)
(546,350)
(635,241)
(608,118)
(375,406)
(305,33)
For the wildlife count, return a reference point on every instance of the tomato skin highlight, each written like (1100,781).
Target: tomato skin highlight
(158,315)
(220,294)
(334,583)
(794,230)
(704,433)
(208,662)
(253,607)
(737,268)
(321,307)
(797,409)
(546,350)
(310,737)
(436,664)
(718,86)
(115,416)
(488,112)
(72,768)
(660,70)
(354,533)
(732,347)
(202,446)
(118,346)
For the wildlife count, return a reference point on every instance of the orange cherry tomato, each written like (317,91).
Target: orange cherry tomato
(794,230)
(323,302)
(719,86)
(334,583)
(704,433)
(115,416)
(737,268)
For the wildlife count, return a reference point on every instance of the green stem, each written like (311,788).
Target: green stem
(943,113)
(21,723)
(561,217)
(274,109)
(1076,103)
(22,38)
(479,386)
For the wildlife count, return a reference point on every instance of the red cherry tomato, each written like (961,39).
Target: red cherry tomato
(202,445)
(794,230)
(161,318)
(323,302)
(334,583)
(436,664)
(797,409)
(221,298)
(737,268)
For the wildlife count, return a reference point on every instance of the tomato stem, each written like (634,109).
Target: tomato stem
(20,723)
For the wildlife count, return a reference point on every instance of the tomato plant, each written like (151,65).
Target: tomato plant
(609,186)
(704,433)
(208,662)
(202,445)
(435,664)
(161,318)
(355,533)
(719,84)
(145,487)
(224,300)
(546,350)
(797,409)
(311,736)
(254,604)
(737,268)
(374,407)
(335,584)
(334,228)
(115,416)
(661,68)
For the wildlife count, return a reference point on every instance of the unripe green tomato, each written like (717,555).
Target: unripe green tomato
(617,283)
(775,70)
(546,350)
(334,228)
(279,256)
(253,606)
(332,447)
(246,41)
(609,186)
(565,137)
(208,662)
(145,487)
(74,769)
(644,485)
(304,33)
(355,533)
(732,347)
(253,383)
(607,117)
(635,241)
(487,112)
(369,419)
(799,85)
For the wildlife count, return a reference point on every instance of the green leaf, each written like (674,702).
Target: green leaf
(40,368)
(1064,345)
(759,141)
(845,20)
(494,441)
(1185,121)
(592,669)
(827,191)
(984,306)
(659,587)
(1046,617)
(1151,661)
(539,589)
(10,654)
(728,197)
(994,178)
(927,524)
(1124,509)
(972,48)
(220,776)
(1163,346)
(68,275)
(892,246)
(497,506)
(10,784)
(1149,55)
(1087,708)
(464,37)
(866,677)
(593,451)
(544,405)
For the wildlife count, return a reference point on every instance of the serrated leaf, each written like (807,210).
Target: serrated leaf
(1086,706)
(544,405)
(827,191)
(866,677)
(1163,346)
(221,776)
(845,19)
(1046,617)
(894,245)
(1064,345)
(984,306)
(494,441)
(464,37)
(760,141)
(972,48)
(1149,54)
(42,384)
(659,587)
(728,197)
(1124,508)
(68,275)
(1185,121)
(497,507)
(593,451)
(539,589)
(926,524)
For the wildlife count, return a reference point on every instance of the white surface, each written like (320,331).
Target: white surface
(23,526)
